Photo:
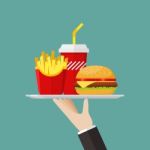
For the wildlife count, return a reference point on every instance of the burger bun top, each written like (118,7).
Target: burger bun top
(95,72)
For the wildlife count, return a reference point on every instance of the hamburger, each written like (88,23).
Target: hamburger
(95,80)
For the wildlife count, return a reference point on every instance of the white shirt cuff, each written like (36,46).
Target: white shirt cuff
(85,130)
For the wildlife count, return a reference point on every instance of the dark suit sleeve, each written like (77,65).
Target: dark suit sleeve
(92,140)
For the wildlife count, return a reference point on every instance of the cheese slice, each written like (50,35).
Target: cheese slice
(84,84)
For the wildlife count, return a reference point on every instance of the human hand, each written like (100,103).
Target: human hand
(81,120)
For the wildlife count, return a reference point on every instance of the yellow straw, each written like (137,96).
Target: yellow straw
(75,32)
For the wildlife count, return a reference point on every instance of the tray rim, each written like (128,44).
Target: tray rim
(38,96)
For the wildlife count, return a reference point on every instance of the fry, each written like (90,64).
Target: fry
(65,64)
(36,61)
(53,66)
(66,60)
(42,63)
(43,54)
(53,55)
(49,61)
(58,58)
(53,63)
(46,68)
(58,62)
(62,59)
(46,56)
(38,65)
(50,65)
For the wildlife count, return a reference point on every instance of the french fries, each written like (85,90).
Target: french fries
(50,65)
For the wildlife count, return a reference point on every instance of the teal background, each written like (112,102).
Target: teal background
(117,33)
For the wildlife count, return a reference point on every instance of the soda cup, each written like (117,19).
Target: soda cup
(77,57)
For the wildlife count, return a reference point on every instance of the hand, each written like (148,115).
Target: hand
(79,120)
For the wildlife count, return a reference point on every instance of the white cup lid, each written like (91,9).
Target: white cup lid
(73,48)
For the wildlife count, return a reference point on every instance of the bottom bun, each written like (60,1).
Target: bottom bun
(91,91)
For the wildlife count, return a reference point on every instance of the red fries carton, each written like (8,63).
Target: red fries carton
(50,85)
(50,73)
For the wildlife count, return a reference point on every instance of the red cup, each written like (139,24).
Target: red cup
(77,56)
(50,84)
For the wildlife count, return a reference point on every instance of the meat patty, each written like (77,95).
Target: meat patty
(101,84)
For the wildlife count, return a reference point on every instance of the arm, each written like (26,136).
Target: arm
(91,139)
(88,134)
